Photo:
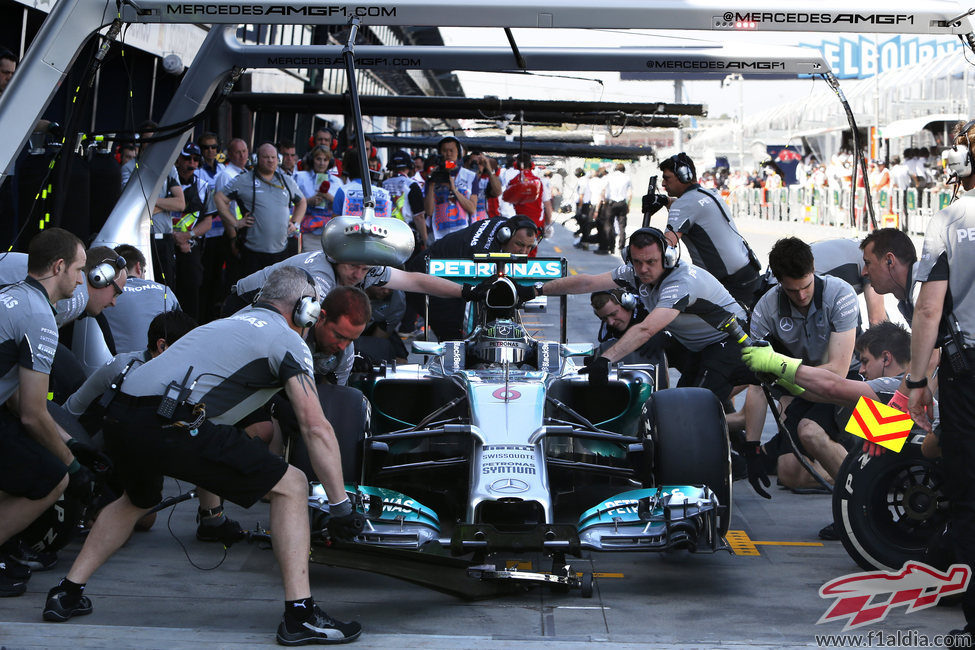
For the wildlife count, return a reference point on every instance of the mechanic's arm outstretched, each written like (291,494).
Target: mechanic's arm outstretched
(640,333)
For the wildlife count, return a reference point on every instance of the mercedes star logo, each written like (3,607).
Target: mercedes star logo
(508,486)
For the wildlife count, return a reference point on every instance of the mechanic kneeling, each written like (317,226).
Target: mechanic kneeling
(618,310)
(174,417)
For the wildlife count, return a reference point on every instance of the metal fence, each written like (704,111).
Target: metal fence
(908,210)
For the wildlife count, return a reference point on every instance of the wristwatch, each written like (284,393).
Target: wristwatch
(920,383)
(538,288)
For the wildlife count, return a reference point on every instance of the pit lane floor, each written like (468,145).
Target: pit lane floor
(148,595)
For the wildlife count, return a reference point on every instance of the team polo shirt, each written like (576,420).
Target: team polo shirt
(948,254)
(13,268)
(140,302)
(702,301)
(235,364)
(269,202)
(834,308)
(840,258)
(711,237)
(101,380)
(320,269)
(28,333)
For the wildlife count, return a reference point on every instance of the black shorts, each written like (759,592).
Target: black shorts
(27,468)
(822,414)
(219,458)
(718,367)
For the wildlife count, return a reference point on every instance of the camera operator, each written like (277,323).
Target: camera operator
(487,186)
(449,191)
(700,218)
(944,315)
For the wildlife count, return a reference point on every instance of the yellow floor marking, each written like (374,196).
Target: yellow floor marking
(573,272)
(518,565)
(740,543)
(607,575)
(557,249)
(789,543)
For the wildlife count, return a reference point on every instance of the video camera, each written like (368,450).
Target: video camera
(443,170)
(652,201)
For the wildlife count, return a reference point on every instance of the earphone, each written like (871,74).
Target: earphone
(512,225)
(671,254)
(307,309)
(104,273)
(683,168)
(621,297)
(959,162)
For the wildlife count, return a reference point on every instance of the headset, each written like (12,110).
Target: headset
(684,168)
(671,254)
(515,223)
(517,165)
(959,162)
(104,273)
(621,297)
(450,138)
(307,309)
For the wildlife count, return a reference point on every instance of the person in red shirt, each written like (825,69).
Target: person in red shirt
(530,195)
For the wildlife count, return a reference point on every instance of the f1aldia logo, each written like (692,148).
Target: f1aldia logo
(863,598)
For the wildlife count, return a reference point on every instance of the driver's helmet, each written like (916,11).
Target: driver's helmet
(501,341)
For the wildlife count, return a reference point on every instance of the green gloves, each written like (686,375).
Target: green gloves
(767,361)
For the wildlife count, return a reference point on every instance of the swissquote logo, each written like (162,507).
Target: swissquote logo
(863,598)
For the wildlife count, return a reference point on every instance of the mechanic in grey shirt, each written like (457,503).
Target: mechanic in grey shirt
(165,329)
(141,301)
(223,370)
(700,219)
(267,196)
(945,316)
(807,316)
(34,459)
(682,299)
(13,268)
(885,352)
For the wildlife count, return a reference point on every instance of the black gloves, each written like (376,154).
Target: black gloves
(89,456)
(472,292)
(526,293)
(598,370)
(346,527)
(755,459)
(79,482)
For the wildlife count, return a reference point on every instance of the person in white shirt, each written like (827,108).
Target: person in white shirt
(617,194)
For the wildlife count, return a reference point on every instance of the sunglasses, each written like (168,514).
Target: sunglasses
(208,146)
(117,289)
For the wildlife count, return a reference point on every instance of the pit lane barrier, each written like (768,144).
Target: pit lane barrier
(909,210)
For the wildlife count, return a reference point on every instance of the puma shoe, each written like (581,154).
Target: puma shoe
(59,606)
(320,628)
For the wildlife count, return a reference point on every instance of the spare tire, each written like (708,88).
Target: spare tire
(887,508)
(690,442)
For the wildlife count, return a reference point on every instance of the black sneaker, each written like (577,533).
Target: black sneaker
(829,533)
(320,628)
(57,611)
(42,561)
(227,531)
(10,586)
(11,568)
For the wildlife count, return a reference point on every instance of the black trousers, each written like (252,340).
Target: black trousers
(216,251)
(253,261)
(957,407)
(189,278)
(618,211)
(604,226)
(164,259)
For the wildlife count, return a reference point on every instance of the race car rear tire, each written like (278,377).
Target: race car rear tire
(888,508)
(690,441)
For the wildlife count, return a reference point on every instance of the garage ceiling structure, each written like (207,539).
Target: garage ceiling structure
(221,58)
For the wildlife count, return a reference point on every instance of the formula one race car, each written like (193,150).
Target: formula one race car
(496,446)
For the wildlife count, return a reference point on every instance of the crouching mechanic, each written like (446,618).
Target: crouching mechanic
(35,463)
(619,310)
(885,355)
(809,316)
(174,417)
(685,300)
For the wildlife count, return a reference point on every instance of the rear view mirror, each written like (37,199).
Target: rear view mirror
(430,348)
(577,349)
